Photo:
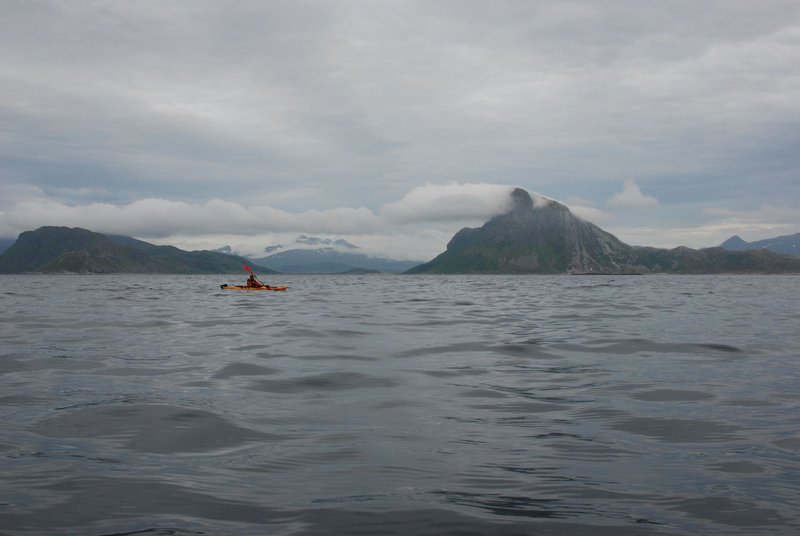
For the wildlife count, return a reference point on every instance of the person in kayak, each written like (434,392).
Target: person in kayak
(252,282)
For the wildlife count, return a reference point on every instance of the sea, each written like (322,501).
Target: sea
(398,404)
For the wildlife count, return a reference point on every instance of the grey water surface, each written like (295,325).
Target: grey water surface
(386,404)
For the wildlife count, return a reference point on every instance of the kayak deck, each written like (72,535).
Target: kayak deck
(243,287)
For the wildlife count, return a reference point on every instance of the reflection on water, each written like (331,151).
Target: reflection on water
(400,405)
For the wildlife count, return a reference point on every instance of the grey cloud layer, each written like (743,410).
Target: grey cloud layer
(314,106)
(452,204)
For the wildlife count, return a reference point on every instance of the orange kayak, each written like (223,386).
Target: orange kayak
(242,287)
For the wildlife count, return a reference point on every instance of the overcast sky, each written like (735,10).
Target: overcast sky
(392,124)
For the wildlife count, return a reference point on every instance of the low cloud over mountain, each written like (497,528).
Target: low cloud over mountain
(534,237)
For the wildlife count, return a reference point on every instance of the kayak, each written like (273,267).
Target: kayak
(243,287)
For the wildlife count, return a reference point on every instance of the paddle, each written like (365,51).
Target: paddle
(252,272)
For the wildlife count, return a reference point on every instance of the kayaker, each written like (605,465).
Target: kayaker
(252,282)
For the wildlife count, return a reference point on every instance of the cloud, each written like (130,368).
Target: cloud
(701,227)
(588,213)
(337,114)
(765,212)
(375,95)
(632,197)
(163,218)
(417,226)
(764,221)
(585,209)
(449,202)
(11,193)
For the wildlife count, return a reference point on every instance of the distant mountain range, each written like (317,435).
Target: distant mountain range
(532,237)
(547,238)
(75,250)
(310,254)
(789,244)
(307,242)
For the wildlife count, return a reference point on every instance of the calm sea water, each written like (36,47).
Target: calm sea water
(400,405)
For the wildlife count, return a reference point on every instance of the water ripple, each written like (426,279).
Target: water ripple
(362,405)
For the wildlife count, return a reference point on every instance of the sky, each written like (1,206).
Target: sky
(393,124)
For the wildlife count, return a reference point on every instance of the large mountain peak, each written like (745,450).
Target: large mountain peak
(539,235)
(535,235)
(521,200)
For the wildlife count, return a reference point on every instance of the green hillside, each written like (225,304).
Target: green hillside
(75,250)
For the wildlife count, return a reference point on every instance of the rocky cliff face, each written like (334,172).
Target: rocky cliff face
(545,237)
(541,237)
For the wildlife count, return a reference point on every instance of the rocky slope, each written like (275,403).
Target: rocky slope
(545,237)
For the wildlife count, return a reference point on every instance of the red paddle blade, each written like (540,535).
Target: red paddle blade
(247,268)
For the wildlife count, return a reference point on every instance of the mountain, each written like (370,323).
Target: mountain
(323,255)
(683,260)
(329,261)
(75,250)
(314,241)
(6,243)
(540,238)
(734,242)
(545,237)
(306,242)
(789,244)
